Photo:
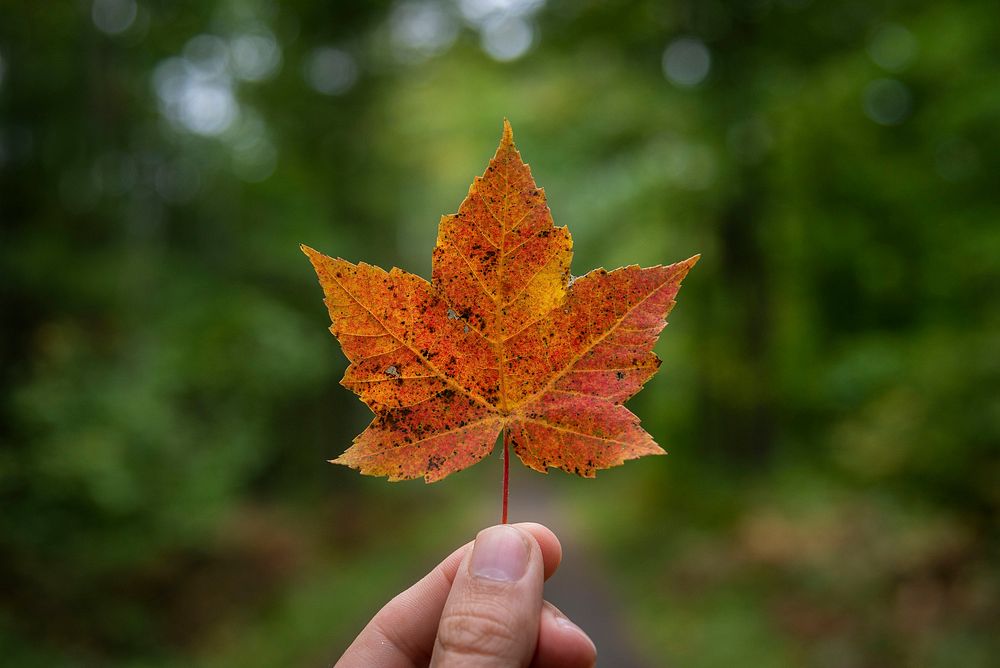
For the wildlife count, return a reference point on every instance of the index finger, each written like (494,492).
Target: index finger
(401,634)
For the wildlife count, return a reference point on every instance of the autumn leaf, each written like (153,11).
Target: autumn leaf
(502,338)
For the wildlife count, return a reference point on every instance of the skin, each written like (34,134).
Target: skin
(466,613)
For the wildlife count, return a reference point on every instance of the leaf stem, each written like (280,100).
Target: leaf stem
(506,473)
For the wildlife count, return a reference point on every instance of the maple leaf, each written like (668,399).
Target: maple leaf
(502,338)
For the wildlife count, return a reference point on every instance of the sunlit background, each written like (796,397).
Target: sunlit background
(830,393)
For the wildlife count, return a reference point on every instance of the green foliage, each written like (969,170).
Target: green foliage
(169,391)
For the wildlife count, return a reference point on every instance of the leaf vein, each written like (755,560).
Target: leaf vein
(447,379)
(555,251)
(493,298)
(439,434)
(559,374)
(564,430)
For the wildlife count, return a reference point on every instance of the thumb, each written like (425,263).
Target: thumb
(492,614)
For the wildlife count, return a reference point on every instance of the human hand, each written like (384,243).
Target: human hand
(482,606)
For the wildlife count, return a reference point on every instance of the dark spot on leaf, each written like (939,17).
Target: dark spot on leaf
(434,462)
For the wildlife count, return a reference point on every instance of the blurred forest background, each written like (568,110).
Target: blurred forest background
(830,393)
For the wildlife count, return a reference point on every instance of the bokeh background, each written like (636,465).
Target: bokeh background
(830,393)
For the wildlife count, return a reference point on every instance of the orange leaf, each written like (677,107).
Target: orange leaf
(501,339)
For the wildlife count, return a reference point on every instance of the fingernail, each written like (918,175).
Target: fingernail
(500,554)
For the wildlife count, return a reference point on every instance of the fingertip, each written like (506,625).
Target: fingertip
(561,643)
(547,542)
(493,610)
